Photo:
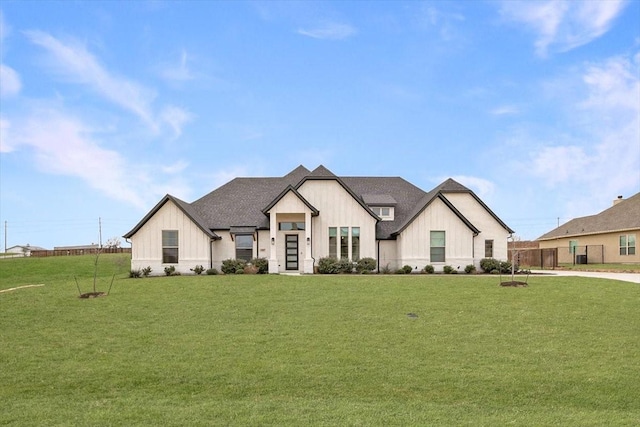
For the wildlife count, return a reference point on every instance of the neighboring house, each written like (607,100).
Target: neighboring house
(610,236)
(295,220)
(24,250)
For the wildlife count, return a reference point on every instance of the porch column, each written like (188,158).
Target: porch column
(308,261)
(273,244)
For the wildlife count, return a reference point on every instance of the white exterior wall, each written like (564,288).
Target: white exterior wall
(146,244)
(225,248)
(289,209)
(388,255)
(489,228)
(414,242)
(338,209)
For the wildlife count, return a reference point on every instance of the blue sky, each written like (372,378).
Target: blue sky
(108,106)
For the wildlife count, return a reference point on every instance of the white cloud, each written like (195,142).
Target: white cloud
(329,31)
(176,118)
(482,187)
(563,25)
(64,145)
(603,157)
(178,72)
(5,138)
(175,168)
(74,62)
(505,110)
(10,81)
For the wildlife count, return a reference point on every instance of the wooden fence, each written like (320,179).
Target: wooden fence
(532,257)
(87,251)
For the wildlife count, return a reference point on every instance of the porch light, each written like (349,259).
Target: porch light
(308,240)
(273,240)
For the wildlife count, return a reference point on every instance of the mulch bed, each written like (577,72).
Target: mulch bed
(514,283)
(92,295)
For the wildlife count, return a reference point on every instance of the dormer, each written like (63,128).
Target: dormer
(383,205)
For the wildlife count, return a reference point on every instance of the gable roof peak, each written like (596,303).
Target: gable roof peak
(300,171)
(451,185)
(321,171)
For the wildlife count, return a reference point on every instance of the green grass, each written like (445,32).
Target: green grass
(314,350)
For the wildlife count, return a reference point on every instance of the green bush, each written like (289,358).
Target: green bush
(212,272)
(146,271)
(198,269)
(469,269)
(488,265)
(447,269)
(407,269)
(385,270)
(365,265)
(170,271)
(328,265)
(428,269)
(233,266)
(345,266)
(135,274)
(262,264)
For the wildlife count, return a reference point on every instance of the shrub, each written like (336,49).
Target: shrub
(407,269)
(470,269)
(146,271)
(198,269)
(212,272)
(135,274)
(262,264)
(233,266)
(328,265)
(488,265)
(385,270)
(170,271)
(447,269)
(365,265)
(428,269)
(344,266)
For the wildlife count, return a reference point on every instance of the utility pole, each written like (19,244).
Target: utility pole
(100,229)
(5,236)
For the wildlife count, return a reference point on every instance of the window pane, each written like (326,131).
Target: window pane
(437,254)
(344,242)
(244,254)
(170,238)
(355,243)
(244,241)
(488,248)
(632,250)
(631,239)
(623,241)
(437,238)
(333,242)
(623,251)
(169,255)
(385,211)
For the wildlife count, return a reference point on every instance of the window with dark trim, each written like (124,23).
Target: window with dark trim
(488,248)
(244,246)
(438,245)
(344,242)
(355,243)
(291,226)
(169,246)
(333,242)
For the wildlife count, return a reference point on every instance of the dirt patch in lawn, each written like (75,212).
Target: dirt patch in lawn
(514,283)
(92,295)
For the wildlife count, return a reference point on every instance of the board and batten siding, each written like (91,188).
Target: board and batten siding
(146,244)
(414,243)
(225,248)
(338,209)
(490,229)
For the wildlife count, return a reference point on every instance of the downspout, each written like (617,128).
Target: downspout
(313,265)
(211,240)
(378,256)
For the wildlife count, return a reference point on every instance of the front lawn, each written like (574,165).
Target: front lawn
(314,350)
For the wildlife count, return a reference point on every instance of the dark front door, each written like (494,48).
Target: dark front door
(292,251)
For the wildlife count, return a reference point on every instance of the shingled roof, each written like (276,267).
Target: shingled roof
(624,215)
(243,202)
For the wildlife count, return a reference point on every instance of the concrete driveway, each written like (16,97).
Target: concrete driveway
(626,277)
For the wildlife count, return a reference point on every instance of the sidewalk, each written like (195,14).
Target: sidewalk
(626,277)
